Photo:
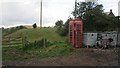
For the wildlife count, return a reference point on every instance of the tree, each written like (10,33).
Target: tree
(62,29)
(66,27)
(93,16)
(34,25)
(95,19)
(59,23)
(82,7)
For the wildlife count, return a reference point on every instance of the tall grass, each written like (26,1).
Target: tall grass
(36,44)
(39,33)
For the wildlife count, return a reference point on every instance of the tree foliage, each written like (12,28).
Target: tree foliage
(62,29)
(94,17)
(59,23)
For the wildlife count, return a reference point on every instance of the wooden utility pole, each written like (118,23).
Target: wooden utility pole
(41,14)
(75,8)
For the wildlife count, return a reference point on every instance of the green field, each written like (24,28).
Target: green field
(39,33)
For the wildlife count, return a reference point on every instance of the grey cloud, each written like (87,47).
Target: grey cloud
(16,12)
(22,12)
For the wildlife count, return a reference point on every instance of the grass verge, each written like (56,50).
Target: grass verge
(16,53)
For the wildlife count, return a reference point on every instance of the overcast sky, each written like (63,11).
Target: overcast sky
(26,12)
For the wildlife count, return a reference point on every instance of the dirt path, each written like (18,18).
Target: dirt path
(81,57)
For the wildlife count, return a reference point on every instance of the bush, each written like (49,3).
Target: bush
(35,25)
(36,44)
(20,27)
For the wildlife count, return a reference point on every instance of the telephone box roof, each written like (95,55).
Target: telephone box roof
(76,19)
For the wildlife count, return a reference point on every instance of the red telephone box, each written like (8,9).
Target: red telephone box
(75,33)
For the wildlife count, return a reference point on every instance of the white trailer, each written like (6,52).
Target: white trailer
(114,37)
(111,35)
(89,39)
(118,39)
